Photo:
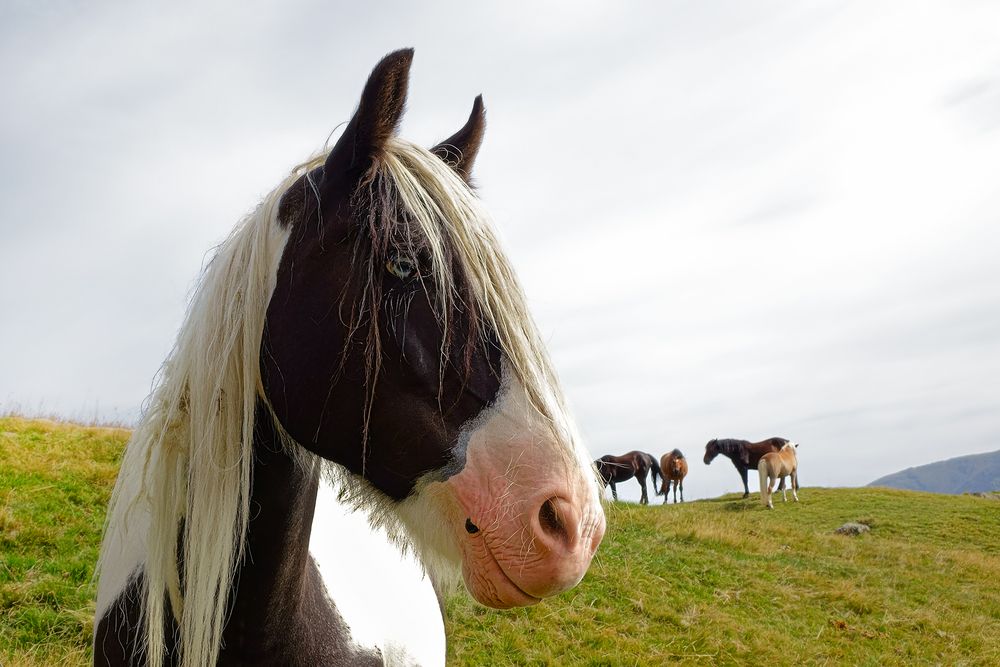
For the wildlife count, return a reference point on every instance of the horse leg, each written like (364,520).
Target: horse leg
(770,491)
(681,483)
(746,487)
(762,476)
(784,494)
(614,492)
(795,485)
(645,498)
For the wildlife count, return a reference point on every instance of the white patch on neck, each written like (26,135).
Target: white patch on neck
(384,597)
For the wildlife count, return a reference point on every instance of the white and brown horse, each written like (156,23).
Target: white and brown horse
(776,466)
(361,324)
(674,468)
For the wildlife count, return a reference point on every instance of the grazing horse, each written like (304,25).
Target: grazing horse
(674,468)
(744,455)
(615,469)
(778,465)
(361,323)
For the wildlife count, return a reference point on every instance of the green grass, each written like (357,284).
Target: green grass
(725,581)
(711,582)
(55,481)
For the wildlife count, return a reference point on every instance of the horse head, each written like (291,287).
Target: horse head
(397,343)
(711,450)
(676,466)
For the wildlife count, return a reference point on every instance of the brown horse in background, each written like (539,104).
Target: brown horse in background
(615,469)
(744,455)
(778,465)
(674,468)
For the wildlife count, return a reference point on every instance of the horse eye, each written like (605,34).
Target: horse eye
(401,267)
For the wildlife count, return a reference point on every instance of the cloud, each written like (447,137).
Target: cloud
(730,221)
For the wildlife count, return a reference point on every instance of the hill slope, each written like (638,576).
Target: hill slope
(726,582)
(964,474)
(709,582)
(55,481)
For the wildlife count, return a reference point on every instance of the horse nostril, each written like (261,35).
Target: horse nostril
(470,527)
(551,523)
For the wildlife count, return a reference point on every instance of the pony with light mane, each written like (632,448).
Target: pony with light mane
(362,326)
(779,465)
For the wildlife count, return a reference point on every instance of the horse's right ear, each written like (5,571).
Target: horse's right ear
(375,120)
(460,149)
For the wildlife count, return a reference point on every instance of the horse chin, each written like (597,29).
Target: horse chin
(488,583)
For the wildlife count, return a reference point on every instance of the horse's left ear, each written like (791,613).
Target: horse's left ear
(376,119)
(460,149)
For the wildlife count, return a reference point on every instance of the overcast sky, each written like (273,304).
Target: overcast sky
(732,219)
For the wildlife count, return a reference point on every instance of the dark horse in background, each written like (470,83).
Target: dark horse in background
(744,455)
(615,469)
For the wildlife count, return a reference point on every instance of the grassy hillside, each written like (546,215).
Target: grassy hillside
(55,481)
(963,474)
(709,582)
(726,582)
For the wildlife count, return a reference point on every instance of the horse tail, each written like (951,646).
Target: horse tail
(762,469)
(654,469)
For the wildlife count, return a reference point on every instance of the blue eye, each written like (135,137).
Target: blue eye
(401,267)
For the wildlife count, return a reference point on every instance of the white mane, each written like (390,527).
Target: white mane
(192,449)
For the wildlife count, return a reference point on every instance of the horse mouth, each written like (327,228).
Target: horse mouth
(498,589)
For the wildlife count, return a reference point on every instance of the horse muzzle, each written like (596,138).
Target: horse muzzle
(519,551)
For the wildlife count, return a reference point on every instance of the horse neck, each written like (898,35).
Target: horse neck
(789,459)
(732,453)
(270,583)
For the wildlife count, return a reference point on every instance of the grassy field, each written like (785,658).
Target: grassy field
(726,582)
(55,481)
(710,582)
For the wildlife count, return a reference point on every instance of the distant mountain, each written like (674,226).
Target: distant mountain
(965,474)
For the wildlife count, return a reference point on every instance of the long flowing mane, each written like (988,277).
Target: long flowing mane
(452,222)
(187,466)
(186,475)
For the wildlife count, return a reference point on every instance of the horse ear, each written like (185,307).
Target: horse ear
(460,149)
(375,120)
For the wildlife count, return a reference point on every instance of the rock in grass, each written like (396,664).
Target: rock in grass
(851,528)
